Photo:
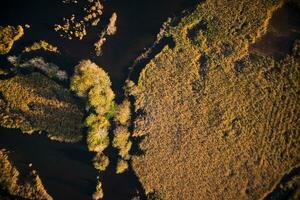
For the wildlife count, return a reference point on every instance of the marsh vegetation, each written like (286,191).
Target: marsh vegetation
(218,119)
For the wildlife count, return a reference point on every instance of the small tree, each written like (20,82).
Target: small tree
(122,115)
(100,161)
(122,166)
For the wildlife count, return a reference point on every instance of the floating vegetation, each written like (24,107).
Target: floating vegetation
(218,122)
(111,29)
(8,35)
(41,45)
(98,194)
(77,28)
(10,182)
(34,102)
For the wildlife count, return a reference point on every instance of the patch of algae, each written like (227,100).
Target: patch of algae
(218,122)
(9,181)
(8,35)
(36,103)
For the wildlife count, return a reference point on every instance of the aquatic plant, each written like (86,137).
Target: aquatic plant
(98,194)
(42,44)
(8,35)
(74,27)
(111,29)
(122,166)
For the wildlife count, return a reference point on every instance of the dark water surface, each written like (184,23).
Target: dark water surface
(283,30)
(66,169)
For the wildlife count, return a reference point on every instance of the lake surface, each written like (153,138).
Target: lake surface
(66,169)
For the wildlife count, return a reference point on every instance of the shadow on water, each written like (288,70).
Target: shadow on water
(66,169)
(283,30)
(281,193)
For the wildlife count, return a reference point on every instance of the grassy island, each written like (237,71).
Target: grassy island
(219,121)
(34,102)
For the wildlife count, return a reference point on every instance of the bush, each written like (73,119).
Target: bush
(8,35)
(97,138)
(100,161)
(87,75)
(121,141)
(122,166)
(98,194)
(122,114)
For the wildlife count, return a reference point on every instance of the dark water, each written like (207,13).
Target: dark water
(66,169)
(283,30)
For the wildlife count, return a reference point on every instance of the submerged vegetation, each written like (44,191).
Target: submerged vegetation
(34,102)
(8,35)
(11,183)
(219,122)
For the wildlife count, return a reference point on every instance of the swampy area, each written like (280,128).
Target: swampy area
(148,100)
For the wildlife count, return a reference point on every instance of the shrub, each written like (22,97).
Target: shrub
(121,141)
(8,35)
(98,194)
(122,114)
(122,166)
(97,138)
(100,161)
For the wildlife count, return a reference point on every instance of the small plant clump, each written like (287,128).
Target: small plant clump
(123,113)
(8,35)
(77,28)
(41,45)
(111,29)
(122,166)
(101,161)
(98,194)
(121,142)
(9,181)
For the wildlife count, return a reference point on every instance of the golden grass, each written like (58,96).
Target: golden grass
(8,35)
(36,103)
(41,45)
(223,128)
(9,181)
